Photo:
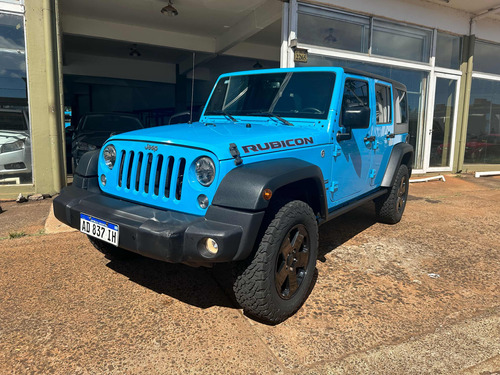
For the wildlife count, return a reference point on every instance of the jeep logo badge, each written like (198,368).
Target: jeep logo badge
(153,148)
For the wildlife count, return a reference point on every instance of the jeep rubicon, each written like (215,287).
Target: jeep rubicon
(276,153)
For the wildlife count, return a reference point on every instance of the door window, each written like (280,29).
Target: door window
(401,108)
(356,98)
(383,104)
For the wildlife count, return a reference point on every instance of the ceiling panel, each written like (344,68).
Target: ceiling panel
(207,17)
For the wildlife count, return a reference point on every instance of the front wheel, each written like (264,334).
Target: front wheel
(277,280)
(390,207)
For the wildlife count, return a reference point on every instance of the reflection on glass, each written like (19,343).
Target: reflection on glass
(483,130)
(401,41)
(486,56)
(15,142)
(333,30)
(448,51)
(415,81)
(442,122)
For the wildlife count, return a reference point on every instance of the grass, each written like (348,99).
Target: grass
(20,234)
(17,234)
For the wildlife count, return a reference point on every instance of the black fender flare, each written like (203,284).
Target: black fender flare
(86,172)
(399,152)
(243,186)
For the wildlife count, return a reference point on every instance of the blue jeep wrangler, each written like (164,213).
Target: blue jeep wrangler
(275,154)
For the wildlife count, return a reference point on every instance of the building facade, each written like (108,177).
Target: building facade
(133,59)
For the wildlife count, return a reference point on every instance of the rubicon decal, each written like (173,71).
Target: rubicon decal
(278,144)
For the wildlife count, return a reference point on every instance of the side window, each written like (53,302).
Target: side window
(355,104)
(383,97)
(401,107)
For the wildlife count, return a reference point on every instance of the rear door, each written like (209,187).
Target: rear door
(352,155)
(382,131)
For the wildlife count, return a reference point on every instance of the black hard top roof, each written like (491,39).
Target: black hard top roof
(395,84)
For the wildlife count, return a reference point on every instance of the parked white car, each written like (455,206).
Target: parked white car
(15,147)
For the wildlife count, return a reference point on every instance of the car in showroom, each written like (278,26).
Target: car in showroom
(94,129)
(15,147)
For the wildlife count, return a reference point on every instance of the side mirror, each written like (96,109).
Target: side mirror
(70,129)
(356,117)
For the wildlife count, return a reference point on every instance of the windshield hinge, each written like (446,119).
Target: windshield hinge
(235,153)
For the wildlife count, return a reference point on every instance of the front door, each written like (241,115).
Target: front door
(442,124)
(352,156)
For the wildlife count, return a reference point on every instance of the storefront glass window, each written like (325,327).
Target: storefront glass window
(415,81)
(483,130)
(333,30)
(15,141)
(486,56)
(448,51)
(401,41)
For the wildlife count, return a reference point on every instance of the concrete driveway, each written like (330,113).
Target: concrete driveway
(420,297)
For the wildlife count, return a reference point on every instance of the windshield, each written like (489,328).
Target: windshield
(291,94)
(12,120)
(110,123)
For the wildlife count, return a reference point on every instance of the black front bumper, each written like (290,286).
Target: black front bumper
(161,234)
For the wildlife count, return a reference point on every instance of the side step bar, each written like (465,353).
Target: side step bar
(350,206)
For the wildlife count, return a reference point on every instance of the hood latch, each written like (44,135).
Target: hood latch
(235,153)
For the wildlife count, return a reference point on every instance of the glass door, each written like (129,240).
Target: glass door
(441,125)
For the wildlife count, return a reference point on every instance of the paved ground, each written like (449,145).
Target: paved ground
(421,297)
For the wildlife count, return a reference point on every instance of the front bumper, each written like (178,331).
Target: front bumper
(13,162)
(161,234)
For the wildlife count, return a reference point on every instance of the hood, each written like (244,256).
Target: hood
(11,136)
(95,138)
(251,138)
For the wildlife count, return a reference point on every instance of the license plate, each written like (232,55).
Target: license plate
(99,228)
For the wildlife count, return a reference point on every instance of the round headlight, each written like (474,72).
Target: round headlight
(109,156)
(205,170)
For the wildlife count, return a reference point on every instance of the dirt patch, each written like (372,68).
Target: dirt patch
(28,217)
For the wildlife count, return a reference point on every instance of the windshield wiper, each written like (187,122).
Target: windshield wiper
(225,114)
(270,114)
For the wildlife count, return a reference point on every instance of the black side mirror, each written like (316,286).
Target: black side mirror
(70,129)
(356,117)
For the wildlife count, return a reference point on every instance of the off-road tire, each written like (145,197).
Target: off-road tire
(110,250)
(255,283)
(389,207)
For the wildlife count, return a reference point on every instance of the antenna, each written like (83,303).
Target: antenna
(192,92)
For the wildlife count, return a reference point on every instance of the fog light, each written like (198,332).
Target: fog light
(203,201)
(103,180)
(211,246)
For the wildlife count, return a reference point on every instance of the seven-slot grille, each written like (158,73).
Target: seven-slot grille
(151,173)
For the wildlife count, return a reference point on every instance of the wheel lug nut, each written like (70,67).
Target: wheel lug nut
(291,268)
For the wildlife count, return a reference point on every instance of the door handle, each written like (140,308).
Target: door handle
(370,139)
(390,135)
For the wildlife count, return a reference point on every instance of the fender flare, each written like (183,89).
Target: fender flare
(86,172)
(399,151)
(242,187)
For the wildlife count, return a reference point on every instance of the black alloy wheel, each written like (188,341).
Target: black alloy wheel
(292,261)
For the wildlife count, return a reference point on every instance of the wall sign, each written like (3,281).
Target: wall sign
(300,55)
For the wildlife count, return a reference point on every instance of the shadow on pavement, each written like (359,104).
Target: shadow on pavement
(193,286)
(341,229)
(204,287)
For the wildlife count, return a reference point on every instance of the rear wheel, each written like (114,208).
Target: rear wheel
(277,280)
(390,207)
